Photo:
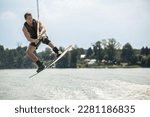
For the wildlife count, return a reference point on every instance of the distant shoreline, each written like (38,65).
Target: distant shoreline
(94,67)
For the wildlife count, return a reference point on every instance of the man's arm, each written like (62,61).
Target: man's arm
(27,35)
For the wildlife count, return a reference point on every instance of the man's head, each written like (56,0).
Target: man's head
(28,17)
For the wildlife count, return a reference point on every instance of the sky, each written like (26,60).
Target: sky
(78,22)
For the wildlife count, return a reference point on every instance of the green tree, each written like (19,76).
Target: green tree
(128,55)
(146,51)
(98,51)
(148,61)
(27,63)
(89,52)
(2,57)
(19,54)
(9,58)
(142,51)
(73,58)
(46,55)
(110,47)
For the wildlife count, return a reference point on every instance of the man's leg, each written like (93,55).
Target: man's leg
(34,58)
(55,49)
(49,43)
(30,53)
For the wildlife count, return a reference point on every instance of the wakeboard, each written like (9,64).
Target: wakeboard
(55,61)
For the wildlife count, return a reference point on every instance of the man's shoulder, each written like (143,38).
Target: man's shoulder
(24,28)
(34,20)
(25,23)
(37,21)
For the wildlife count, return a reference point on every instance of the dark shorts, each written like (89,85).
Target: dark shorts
(44,40)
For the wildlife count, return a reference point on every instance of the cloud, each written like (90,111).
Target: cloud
(8,15)
(10,29)
(57,10)
(85,11)
(92,12)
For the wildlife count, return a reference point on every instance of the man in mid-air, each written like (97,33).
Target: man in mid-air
(30,31)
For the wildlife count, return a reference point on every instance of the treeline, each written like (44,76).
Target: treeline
(14,58)
(108,52)
(17,58)
(104,52)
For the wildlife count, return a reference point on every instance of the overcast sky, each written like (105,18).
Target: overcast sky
(79,22)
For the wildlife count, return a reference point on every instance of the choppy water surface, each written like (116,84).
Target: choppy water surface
(76,84)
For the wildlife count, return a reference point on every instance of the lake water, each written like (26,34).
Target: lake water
(128,84)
